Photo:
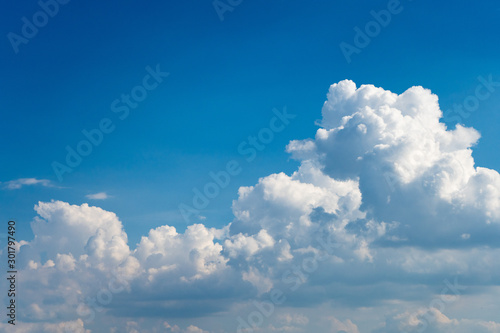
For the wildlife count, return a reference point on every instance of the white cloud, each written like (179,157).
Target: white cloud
(433,321)
(404,157)
(18,183)
(248,246)
(194,329)
(346,326)
(189,329)
(385,196)
(97,196)
(190,256)
(79,230)
(76,326)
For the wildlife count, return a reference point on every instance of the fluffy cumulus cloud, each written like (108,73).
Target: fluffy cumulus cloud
(411,169)
(433,321)
(386,209)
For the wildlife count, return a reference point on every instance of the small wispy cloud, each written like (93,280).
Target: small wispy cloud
(98,196)
(18,183)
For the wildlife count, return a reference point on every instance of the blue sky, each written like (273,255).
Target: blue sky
(225,78)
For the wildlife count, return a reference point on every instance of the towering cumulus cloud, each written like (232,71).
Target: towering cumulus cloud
(409,167)
(386,226)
